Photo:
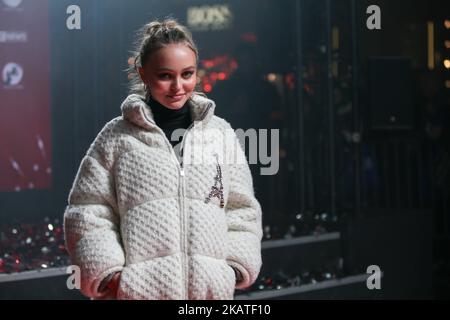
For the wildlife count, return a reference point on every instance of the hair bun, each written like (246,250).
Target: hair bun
(153,27)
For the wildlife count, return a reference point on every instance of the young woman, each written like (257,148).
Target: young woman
(144,221)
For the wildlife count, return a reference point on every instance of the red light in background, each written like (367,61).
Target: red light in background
(249,37)
(307,88)
(207,87)
(208,64)
(218,68)
(222,76)
(290,81)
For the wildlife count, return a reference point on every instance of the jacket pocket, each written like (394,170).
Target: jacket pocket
(211,279)
(155,279)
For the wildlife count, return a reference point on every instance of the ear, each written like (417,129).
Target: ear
(142,74)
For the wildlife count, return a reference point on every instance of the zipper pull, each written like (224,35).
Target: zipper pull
(182,172)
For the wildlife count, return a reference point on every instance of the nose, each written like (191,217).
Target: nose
(175,84)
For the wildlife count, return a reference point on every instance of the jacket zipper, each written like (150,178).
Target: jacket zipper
(179,163)
(185,263)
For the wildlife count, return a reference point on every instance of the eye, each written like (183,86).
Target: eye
(188,74)
(164,76)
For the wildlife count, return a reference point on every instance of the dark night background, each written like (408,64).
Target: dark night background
(364,118)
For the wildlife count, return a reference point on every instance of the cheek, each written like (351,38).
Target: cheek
(190,84)
(159,85)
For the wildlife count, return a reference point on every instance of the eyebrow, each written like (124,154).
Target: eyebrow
(167,69)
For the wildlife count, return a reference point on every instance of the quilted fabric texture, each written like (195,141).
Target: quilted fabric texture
(138,207)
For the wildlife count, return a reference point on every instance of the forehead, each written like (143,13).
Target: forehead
(173,56)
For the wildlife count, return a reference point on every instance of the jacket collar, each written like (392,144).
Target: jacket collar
(136,110)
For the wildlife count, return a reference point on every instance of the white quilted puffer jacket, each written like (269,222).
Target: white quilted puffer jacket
(174,228)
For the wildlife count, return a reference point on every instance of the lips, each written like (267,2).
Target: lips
(177,96)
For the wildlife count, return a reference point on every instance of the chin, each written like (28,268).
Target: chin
(175,105)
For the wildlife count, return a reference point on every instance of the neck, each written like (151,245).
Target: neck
(161,112)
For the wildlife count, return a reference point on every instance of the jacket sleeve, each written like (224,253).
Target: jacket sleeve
(244,221)
(91,223)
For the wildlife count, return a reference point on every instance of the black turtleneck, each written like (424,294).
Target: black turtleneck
(169,120)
